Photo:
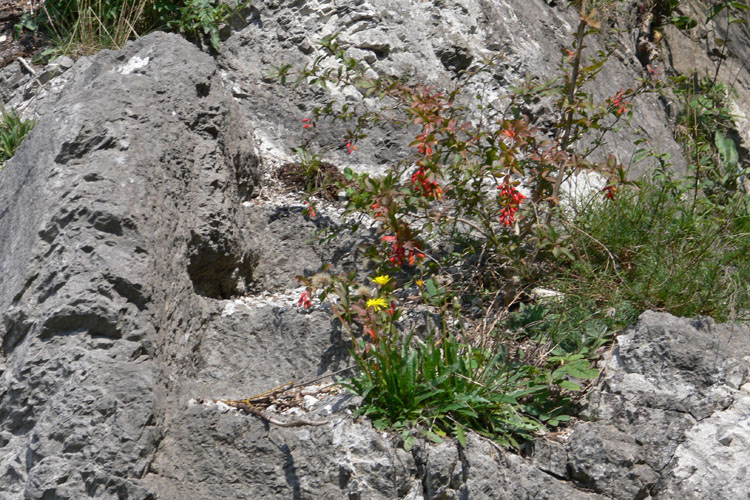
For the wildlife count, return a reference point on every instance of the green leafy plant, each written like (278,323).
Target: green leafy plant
(12,131)
(202,18)
(441,386)
(445,388)
(463,184)
(705,124)
(653,248)
(475,217)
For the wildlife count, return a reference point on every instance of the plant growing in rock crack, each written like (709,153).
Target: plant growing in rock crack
(12,131)
(202,18)
(704,127)
(472,220)
(464,186)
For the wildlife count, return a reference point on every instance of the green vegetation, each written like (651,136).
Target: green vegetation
(198,18)
(475,220)
(443,386)
(654,248)
(12,132)
(80,27)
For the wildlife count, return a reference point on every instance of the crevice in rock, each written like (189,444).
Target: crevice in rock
(72,322)
(202,89)
(132,292)
(216,271)
(17,326)
(25,287)
(455,59)
(555,476)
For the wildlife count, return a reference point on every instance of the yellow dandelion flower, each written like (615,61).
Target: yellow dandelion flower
(382,280)
(419,283)
(378,304)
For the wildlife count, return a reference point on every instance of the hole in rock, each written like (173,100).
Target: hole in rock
(219,270)
(455,59)
(202,89)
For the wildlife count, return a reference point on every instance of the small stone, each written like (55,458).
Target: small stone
(222,407)
(309,402)
(726,438)
(64,62)
(544,293)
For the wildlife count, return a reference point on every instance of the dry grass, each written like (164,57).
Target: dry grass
(95,25)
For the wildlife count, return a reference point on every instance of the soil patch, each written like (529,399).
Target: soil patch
(326,182)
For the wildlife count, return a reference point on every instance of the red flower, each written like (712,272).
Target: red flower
(511,198)
(350,148)
(653,71)
(617,102)
(304,300)
(309,211)
(423,145)
(420,182)
(507,216)
(609,191)
(403,252)
(377,210)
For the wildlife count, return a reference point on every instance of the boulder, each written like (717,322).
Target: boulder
(120,219)
(669,418)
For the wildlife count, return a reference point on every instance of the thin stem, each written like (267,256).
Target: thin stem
(572,87)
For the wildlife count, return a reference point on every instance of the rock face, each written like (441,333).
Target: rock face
(121,205)
(435,42)
(145,273)
(670,415)
(704,53)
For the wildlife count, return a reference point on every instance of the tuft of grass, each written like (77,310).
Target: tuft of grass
(12,131)
(443,387)
(655,247)
(81,27)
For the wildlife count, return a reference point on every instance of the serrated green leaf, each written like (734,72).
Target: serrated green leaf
(569,385)
(581,372)
(431,287)
(460,435)
(432,436)
(380,424)
(409,443)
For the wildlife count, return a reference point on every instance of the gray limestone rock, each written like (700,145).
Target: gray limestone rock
(117,214)
(433,42)
(137,288)
(672,400)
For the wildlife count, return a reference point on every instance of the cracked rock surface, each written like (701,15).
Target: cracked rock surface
(147,271)
(670,415)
